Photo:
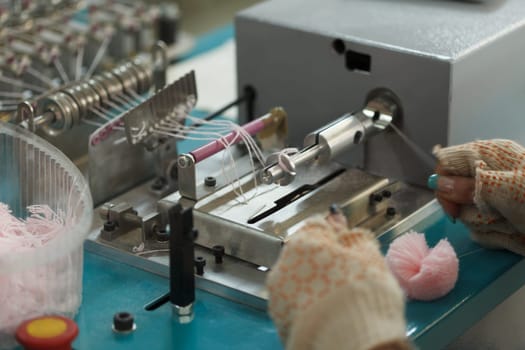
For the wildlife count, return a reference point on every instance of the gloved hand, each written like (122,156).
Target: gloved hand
(497,216)
(331,289)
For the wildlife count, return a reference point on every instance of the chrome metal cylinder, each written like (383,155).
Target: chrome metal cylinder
(144,75)
(85,97)
(329,141)
(65,111)
(127,77)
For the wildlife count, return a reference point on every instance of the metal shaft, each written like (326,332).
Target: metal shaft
(326,143)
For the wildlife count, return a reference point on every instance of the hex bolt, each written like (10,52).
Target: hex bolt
(390,211)
(200,262)
(210,181)
(218,253)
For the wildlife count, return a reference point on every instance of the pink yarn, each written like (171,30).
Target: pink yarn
(17,235)
(23,293)
(423,273)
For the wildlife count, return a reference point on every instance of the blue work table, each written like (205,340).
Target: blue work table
(111,287)
(486,278)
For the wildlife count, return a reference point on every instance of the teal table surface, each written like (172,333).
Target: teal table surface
(111,287)
(486,278)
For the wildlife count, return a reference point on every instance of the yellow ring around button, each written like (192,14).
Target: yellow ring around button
(47,327)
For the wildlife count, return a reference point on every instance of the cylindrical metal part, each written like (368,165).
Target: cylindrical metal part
(144,76)
(126,76)
(111,84)
(276,174)
(84,96)
(346,131)
(100,90)
(327,142)
(65,110)
(213,147)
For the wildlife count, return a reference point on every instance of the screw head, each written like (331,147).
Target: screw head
(391,211)
(200,262)
(218,253)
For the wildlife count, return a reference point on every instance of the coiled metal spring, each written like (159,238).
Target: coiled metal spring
(63,109)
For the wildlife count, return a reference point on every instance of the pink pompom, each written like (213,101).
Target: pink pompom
(424,274)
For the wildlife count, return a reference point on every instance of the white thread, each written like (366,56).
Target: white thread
(423,155)
(80,58)
(60,70)
(98,56)
(40,77)
(23,84)
(215,130)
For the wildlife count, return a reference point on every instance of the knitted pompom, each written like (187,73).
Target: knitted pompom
(423,273)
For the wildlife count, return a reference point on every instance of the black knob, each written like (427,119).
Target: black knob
(158,184)
(123,322)
(200,262)
(376,197)
(210,181)
(386,193)
(110,226)
(162,235)
(168,24)
(218,253)
(390,211)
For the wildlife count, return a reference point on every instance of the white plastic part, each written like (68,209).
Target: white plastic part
(46,279)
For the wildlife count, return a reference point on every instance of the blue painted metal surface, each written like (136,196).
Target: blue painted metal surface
(110,287)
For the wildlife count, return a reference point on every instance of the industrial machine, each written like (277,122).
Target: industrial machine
(345,101)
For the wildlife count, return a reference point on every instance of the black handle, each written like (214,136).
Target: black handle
(182,236)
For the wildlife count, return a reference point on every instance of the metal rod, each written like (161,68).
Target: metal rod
(156,303)
(11,94)
(40,77)
(22,84)
(233,137)
(60,70)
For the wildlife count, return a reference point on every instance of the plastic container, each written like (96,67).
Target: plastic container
(46,279)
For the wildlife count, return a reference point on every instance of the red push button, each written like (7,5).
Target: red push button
(47,333)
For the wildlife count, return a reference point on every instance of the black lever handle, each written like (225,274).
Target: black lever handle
(182,236)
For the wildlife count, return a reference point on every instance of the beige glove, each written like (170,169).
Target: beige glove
(497,218)
(331,289)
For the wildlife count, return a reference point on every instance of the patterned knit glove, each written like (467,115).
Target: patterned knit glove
(497,218)
(331,289)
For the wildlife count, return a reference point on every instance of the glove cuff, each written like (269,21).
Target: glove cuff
(358,316)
